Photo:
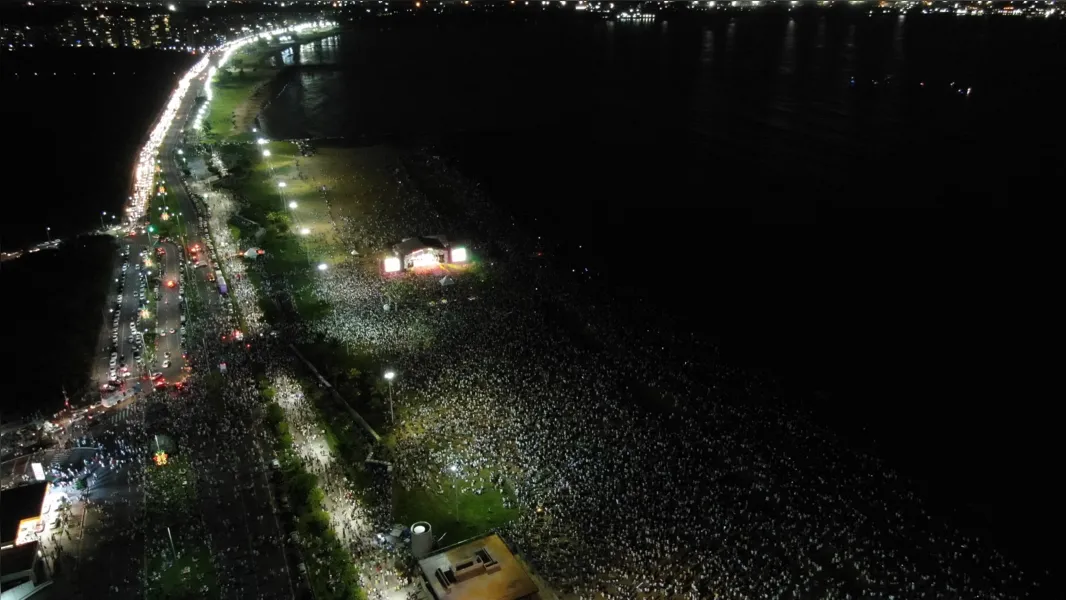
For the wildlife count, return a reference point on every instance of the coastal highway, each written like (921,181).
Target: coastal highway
(127,309)
(168,317)
(238,506)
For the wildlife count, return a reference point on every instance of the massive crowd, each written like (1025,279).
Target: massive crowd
(636,472)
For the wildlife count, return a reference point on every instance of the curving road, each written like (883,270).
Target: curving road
(238,505)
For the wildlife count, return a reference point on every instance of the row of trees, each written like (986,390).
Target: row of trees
(329,566)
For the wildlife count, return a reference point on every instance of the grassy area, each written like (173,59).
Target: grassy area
(477,513)
(240,88)
(354,177)
(191,576)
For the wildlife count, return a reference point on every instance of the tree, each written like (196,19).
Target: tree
(274,414)
(301,484)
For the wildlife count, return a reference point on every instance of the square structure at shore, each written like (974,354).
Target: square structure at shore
(478,569)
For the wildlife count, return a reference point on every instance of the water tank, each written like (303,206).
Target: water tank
(421,539)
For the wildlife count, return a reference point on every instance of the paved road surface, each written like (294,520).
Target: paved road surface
(237,503)
(168,318)
(236,499)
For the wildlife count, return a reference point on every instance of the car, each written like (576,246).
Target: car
(129,340)
(113,374)
(182,330)
(166,364)
(162,333)
(156,375)
(166,355)
(114,355)
(172,330)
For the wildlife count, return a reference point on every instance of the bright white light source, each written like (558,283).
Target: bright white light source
(266,153)
(172,8)
(427,259)
(390,375)
(305,231)
(38,471)
(419,529)
(292,204)
(392,264)
(458,255)
(281,184)
(261,141)
(322,266)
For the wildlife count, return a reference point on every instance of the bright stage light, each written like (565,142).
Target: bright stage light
(427,259)
(458,255)
(392,264)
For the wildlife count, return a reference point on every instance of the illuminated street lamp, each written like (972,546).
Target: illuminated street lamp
(281,184)
(305,231)
(389,376)
(266,153)
(48,230)
(455,487)
(292,204)
(322,266)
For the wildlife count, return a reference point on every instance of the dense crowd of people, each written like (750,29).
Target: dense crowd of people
(636,472)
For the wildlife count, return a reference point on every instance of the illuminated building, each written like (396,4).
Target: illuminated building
(20,520)
(18,569)
(481,569)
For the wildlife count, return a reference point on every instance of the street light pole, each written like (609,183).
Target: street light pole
(389,376)
(48,230)
(455,488)
(103,214)
(172,550)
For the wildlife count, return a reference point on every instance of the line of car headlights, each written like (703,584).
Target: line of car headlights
(117,367)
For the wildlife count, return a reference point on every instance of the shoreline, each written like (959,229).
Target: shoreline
(246,112)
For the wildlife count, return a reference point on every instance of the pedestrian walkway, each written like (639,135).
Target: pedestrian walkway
(120,416)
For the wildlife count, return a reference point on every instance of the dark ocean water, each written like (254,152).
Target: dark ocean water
(73,121)
(825,195)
